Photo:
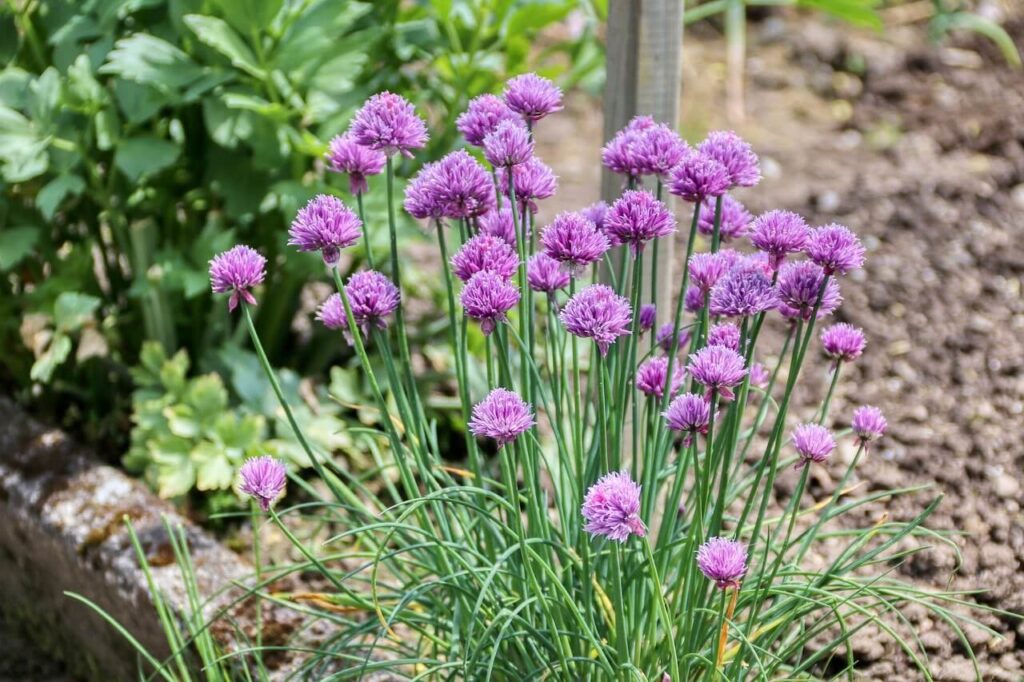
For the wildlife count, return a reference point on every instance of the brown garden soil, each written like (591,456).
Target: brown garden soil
(920,149)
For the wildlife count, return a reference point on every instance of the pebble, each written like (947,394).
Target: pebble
(957,669)
(1006,487)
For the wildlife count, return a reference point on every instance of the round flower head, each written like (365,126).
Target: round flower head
(531,181)
(621,154)
(694,300)
(739,159)
(532,96)
(718,369)
(544,273)
(637,218)
(843,342)
(498,223)
(759,375)
(574,241)
(388,123)
(482,117)
(698,177)
(836,249)
(733,223)
(799,286)
(659,150)
(463,187)
(487,297)
(509,144)
(345,155)
(742,292)
(778,233)
(814,443)
(423,194)
(237,270)
(372,297)
(868,423)
(611,508)
(596,213)
(598,313)
(646,317)
(688,413)
(484,252)
(725,334)
(707,268)
(664,337)
(724,561)
(651,374)
(263,480)
(325,225)
(502,416)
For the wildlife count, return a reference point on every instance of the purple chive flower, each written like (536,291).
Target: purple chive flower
(868,423)
(598,313)
(509,145)
(742,292)
(707,268)
(698,177)
(813,442)
(501,416)
(463,187)
(325,225)
(636,218)
(836,249)
(739,159)
(611,508)
(345,155)
(646,317)
(532,97)
(596,213)
(734,221)
(388,123)
(693,300)
(843,342)
(482,117)
(688,413)
(498,223)
(372,297)
(718,369)
(486,298)
(725,334)
(664,336)
(237,270)
(263,479)
(759,376)
(531,181)
(724,561)
(484,252)
(544,273)
(573,241)
(659,150)
(651,374)
(799,286)
(778,233)
(422,194)
(621,154)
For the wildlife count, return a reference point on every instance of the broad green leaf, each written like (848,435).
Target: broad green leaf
(14,87)
(84,91)
(220,36)
(137,101)
(9,39)
(271,110)
(22,149)
(15,244)
(145,155)
(227,127)
(182,421)
(147,59)
(50,197)
(72,310)
(314,36)
(175,473)
(214,470)
(44,96)
(172,374)
(206,396)
(43,368)
(240,433)
(152,358)
(858,12)
(249,15)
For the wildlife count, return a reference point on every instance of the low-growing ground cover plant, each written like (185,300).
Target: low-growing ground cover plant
(616,517)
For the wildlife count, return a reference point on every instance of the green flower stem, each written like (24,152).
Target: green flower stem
(831,390)
(255,517)
(663,611)
(366,231)
(621,647)
(716,236)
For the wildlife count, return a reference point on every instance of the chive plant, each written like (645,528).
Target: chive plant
(616,517)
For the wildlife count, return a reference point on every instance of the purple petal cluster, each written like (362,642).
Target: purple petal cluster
(532,97)
(688,413)
(759,376)
(596,213)
(843,342)
(389,123)
(487,297)
(800,284)
(813,442)
(724,561)
(742,292)
(646,317)
(694,300)
(482,117)
(835,248)
(869,424)
(574,241)
(597,313)
(499,223)
(778,233)
(651,375)
(326,225)
(718,369)
(345,155)
(485,252)
(636,218)
(659,150)
(734,221)
(664,336)
(464,187)
(725,334)
(728,149)
(544,273)
(611,508)
(237,270)
(502,416)
(422,194)
(707,268)
(263,479)
(509,144)
(372,297)
(531,181)
(699,177)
